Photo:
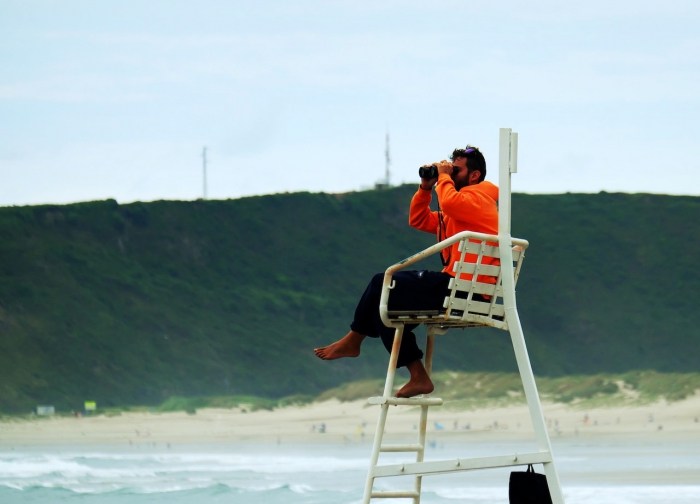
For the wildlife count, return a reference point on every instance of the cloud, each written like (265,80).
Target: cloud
(77,88)
(134,93)
(144,66)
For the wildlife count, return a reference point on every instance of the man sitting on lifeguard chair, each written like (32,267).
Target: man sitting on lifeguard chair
(467,203)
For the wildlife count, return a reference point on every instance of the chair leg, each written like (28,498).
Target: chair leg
(379,433)
(424,411)
(533,402)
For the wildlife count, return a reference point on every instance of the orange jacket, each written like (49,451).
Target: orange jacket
(473,208)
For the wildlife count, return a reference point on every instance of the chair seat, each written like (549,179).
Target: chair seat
(437,318)
(416,313)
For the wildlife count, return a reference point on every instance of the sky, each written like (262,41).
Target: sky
(117,99)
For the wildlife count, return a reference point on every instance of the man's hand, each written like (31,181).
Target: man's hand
(444,167)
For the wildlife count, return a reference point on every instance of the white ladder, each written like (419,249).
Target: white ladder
(460,313)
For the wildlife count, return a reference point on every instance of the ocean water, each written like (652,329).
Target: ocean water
(591,473)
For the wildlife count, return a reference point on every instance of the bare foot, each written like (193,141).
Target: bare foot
(348,346)
(420,382)
(412,389)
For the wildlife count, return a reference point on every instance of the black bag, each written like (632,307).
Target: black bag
(528,487)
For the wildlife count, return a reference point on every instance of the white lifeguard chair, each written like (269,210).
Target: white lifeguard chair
(462,310)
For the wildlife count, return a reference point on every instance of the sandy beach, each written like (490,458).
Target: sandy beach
(348,422)
(319,453)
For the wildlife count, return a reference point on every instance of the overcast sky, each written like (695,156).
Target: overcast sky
(114,99)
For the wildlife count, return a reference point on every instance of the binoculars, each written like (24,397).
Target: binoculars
(428,172)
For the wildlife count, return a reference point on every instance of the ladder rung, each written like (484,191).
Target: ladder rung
(394,494)
(406,401)
(401,448)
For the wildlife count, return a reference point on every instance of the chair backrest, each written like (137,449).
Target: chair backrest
(476,292)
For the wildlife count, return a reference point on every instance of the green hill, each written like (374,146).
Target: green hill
(131,304)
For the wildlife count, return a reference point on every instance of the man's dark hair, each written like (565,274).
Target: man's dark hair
(475,160)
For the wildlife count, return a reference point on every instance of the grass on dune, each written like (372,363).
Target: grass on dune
(481,389)
(459,390)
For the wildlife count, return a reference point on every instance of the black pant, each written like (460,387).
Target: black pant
(414,290)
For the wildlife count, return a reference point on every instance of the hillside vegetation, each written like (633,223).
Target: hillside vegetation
(132,304)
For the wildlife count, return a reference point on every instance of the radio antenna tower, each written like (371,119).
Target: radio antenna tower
(204,173)
(387,174)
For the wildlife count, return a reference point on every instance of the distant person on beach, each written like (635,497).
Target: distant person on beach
(468,203)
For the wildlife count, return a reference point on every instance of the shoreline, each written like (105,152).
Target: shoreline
(354,422)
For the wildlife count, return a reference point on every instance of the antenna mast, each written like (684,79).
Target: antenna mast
(387,174)
(204,173)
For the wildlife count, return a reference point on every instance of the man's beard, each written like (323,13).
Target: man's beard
(462,183)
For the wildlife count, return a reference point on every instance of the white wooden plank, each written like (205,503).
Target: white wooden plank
(479,287)
(474,320)
(402,448)
(406,401)
(490,250)
(456,465)
(395,494)
(484,269)
(477,307)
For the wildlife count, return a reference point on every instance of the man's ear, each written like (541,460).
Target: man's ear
(474,177)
